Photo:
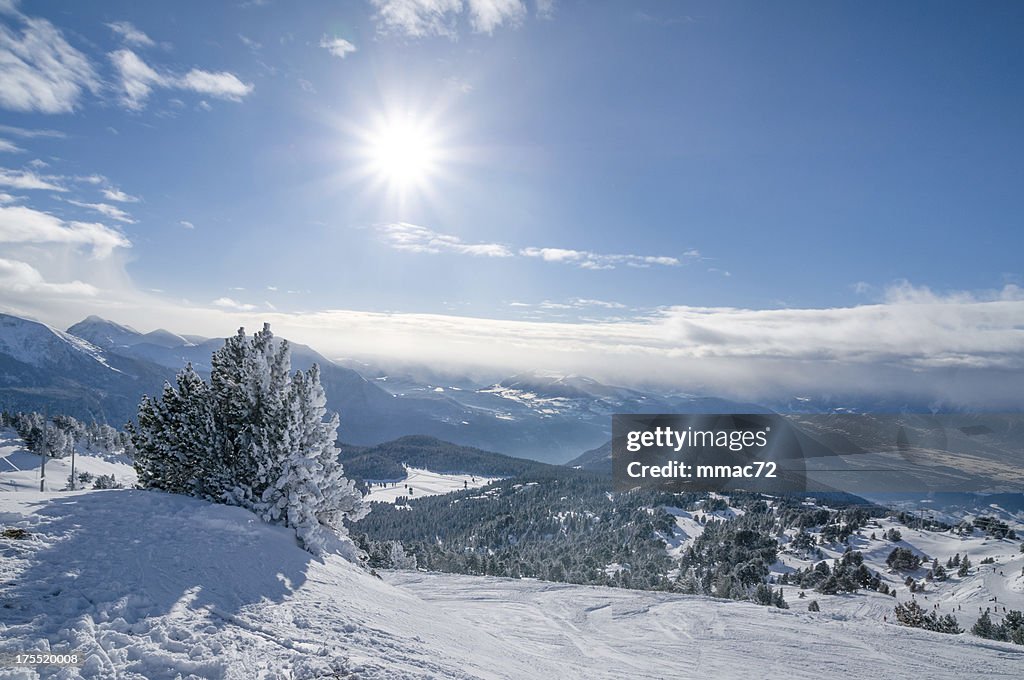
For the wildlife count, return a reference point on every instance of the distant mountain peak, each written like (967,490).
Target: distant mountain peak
(37,344)
(105,333)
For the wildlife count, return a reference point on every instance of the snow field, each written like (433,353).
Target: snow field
(425,483)
(152,585)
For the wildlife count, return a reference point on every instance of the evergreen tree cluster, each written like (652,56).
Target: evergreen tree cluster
(385,554)
(995,528)
(903,559)
(847,575)
(58,437)
(913,615)
(555,523)
(731,558)
(254,436)
(1011,629)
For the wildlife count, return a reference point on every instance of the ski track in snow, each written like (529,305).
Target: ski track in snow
(152,585)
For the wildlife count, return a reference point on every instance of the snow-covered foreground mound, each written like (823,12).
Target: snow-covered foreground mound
(425,483)
(149,585)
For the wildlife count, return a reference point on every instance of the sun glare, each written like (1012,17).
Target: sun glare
(402,152)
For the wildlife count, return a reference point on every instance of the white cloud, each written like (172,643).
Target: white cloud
(221,84)
(953,348)
(487,15)
(40,71)
(114,194)
(422,18)
(228,303)
(418,18)
(21,277)
(416,239)
(250,43)
(585,302)
(586,259)
(9,147)
(130,34)
(111,211)
(24,179)
(962,349)
(187,224)
(138,79)
(339,47)
(29,133)
(19,224)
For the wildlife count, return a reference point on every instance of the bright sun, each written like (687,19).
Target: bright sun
(402,152)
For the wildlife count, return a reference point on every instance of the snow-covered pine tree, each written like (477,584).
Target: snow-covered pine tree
(255,436)
(312,492)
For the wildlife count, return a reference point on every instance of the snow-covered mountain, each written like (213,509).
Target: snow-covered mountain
(45,368)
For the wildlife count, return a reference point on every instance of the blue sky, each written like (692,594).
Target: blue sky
(599,165)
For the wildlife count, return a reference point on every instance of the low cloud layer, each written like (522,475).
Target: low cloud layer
(962,349)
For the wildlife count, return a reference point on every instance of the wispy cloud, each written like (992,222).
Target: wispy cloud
(228,303)
(138,80)
(111,211)
(422,18)
(9,147)
(590,260)
(19,224)
(339,47)
(115,194)
(130,34)
(487,15)
(39,70)
(219,84)
(187,224)
(416,239)
(29,133)
(25,179)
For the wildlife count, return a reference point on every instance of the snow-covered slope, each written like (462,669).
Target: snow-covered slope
(19,468)
(998,586)
(424,483)
(151,585)
(39,345)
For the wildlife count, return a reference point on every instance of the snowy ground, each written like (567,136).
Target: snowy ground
(425,483)
(19,468)
(151,585)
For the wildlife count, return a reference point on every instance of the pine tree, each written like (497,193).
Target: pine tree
(984,627)
(255,436)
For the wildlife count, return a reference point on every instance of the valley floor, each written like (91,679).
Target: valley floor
(150,585)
